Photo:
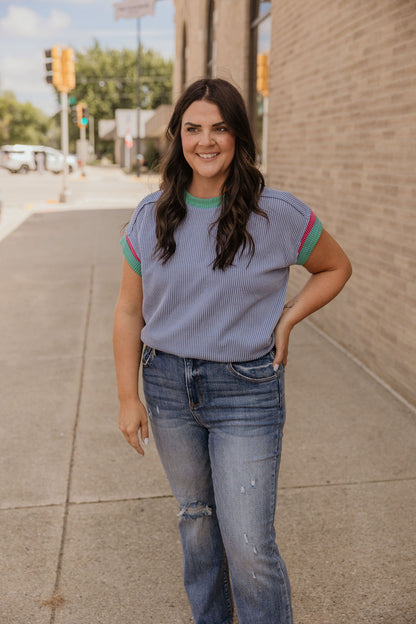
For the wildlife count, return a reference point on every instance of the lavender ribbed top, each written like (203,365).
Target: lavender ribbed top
(195,312)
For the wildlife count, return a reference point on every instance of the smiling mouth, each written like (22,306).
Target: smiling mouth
(208,156)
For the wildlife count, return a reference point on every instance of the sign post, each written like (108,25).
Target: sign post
(135,9)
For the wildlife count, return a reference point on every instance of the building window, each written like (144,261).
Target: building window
(184,58)
(260,55)
(211,43)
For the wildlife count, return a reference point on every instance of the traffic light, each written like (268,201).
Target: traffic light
(263,74)
(82,115)
(74,115)
(60,68)
(68,70)
(84,118)
(54,67)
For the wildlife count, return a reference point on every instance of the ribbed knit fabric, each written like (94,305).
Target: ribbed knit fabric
(191,310)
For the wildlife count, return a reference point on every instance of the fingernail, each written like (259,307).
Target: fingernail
(276,368)
(146,441)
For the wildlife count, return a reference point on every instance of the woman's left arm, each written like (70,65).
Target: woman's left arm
(330,269)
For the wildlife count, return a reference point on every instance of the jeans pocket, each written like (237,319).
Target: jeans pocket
(255,371)
(148,355)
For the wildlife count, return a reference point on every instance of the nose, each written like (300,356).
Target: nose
(206,138)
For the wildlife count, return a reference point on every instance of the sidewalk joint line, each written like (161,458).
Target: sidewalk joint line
(345,483)
(74,437)
(143,499)
(90,502)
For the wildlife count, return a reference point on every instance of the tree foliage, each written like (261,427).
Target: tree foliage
(22,123)
(107,79)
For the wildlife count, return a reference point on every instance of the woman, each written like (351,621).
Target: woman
(203,287)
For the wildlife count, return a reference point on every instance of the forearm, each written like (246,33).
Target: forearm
(127,348)
(319,290)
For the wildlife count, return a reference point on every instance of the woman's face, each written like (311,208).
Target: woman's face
(208,145)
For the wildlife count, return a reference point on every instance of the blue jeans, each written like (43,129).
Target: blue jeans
(218,430)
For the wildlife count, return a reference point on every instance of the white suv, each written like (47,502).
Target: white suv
(22,158)
(18,158)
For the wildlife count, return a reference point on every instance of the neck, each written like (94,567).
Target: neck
(205,189)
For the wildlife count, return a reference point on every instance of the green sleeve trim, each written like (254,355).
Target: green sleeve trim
(310,242)
(133,262)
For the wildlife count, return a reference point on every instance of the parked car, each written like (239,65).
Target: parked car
(17,158)
(25,158)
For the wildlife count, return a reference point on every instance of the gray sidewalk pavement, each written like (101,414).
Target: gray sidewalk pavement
(88,530)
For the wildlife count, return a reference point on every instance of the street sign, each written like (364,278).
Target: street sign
(133,8)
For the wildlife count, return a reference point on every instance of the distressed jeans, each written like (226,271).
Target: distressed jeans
(218,430)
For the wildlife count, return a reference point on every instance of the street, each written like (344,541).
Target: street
(102,187)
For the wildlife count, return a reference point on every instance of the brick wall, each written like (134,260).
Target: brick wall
(232,34)
(343,138)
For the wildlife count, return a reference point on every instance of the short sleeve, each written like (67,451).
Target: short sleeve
(130,242)
(294,226)
(309,239)
(131,254)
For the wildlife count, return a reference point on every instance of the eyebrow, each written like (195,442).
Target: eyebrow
(190,123)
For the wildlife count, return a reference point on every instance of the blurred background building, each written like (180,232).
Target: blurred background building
(335,119)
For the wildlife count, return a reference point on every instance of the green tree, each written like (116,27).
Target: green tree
(22,123)
(107,79)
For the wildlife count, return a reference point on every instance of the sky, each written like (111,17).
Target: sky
(28,27)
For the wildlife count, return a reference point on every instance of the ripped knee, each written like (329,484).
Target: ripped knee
(192,511)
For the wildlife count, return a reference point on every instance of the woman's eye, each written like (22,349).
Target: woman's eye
(222,129)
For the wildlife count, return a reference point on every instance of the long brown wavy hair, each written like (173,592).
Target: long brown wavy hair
(241,190)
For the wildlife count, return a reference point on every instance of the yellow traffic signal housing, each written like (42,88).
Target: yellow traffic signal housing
(54,67)
(263,74)
(68,70)
(82,115)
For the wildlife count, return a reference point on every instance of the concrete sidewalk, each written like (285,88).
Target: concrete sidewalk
(88,529)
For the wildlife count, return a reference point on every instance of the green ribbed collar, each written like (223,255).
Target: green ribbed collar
(197,202)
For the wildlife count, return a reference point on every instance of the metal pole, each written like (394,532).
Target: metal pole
(91,135)
(64,145)
(84,148)
(139,99)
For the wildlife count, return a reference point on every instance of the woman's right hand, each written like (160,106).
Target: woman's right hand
(132,418)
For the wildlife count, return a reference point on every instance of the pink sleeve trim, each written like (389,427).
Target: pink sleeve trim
(309,227)
(132,249)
